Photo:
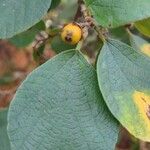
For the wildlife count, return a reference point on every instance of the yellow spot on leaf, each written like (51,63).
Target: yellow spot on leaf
(142,102)
(146,49)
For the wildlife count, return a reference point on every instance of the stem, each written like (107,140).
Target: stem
(100,35)
(128,31)
(91,22)
(79,45)
(78,13)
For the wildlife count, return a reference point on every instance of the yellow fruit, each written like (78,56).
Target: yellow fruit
(71,33)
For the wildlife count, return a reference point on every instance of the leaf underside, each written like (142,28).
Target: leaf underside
(59,106)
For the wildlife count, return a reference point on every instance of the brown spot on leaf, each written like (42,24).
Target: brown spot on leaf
(148,112)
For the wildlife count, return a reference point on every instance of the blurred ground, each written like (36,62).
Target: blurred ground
(15,65)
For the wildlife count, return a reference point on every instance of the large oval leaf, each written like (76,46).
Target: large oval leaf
(124,79)
(59,106)
(4,141)
(19,15)
(115,12)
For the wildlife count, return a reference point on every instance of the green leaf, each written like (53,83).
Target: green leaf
(4,141)
(25,38)
(116,13)
(124,79)
(120,33)
(54,4)
(143,26)
(37,54)
(19,15)
(58,45)
(59,106)
(140,44)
